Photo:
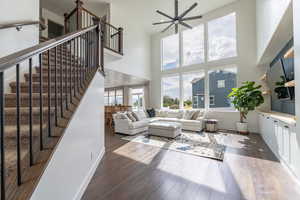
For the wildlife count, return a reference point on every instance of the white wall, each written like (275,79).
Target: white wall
(296,7)
(12,40)
(246,60)
(49,15)
(137,43)
(269,14)
(79,151)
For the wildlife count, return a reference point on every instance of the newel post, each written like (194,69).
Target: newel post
(66,22)
(120,40)
(99,44)
(79,14)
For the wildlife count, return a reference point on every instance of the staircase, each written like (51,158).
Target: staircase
(40,103)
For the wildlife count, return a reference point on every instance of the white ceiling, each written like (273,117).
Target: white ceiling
(143,10)
(149,15)
(117,79)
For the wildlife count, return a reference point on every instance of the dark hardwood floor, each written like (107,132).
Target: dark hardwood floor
(133,171)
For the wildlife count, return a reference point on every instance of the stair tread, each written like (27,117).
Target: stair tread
(10,130)
(9,110)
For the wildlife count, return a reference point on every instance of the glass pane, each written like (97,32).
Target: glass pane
(170,92)
(106,102)
(119,92)
(170,52)
(218,95)
(222,37)
(193,90)
(135,102)
(193,45)
(112,97)
(119,100)
(106,93)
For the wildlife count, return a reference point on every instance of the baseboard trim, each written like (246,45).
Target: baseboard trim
(89,176)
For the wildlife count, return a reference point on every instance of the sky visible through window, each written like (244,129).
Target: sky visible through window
(170,48)
(193,45)
(222,37)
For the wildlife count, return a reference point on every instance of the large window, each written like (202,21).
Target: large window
(226,78)
(200,48)
(170,52)
(113,97)
(193,90)
(137,99)
(171,92)
(193,45)
(222,38)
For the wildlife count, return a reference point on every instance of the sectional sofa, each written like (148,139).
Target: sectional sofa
(192,120)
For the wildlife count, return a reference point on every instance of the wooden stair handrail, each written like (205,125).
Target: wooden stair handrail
(113,41)
(15,58)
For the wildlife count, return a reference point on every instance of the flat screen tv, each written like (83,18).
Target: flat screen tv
(276,79)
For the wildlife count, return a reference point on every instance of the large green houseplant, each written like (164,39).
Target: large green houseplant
(245,99)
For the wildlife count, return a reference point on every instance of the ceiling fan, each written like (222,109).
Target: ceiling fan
(178,19)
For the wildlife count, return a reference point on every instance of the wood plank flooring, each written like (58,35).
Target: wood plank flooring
(133,171)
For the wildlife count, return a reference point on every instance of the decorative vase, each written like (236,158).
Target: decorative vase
(242,127)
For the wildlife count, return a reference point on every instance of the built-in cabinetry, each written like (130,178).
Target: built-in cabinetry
(279,132)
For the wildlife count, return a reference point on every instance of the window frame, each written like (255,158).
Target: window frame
(223,85)
(206,46)
(114,96)
(210,98)
(206,66)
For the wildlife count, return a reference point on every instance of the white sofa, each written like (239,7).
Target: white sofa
(124,125)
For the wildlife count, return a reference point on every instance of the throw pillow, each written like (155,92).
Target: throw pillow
(130,116)
(188,114)
(135,115)
(151,112)
(195,115)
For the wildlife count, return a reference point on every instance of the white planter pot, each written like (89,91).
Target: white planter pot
(242,127)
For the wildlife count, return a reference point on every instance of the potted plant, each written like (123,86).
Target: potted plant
(245,99)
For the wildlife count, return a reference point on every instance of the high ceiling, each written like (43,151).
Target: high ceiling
(143,11)
(149,15)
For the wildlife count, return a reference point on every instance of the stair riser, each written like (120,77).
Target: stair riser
(65,62)
(36,89)
(58,70)
(45,78)
(10,118)
(24,102)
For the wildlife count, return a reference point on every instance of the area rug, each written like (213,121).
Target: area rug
(209,145)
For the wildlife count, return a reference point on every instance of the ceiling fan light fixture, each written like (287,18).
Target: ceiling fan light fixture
(178,19)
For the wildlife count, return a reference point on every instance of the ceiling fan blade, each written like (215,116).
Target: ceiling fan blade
(163,14)
(167,27)
(186,25)
(188,10)
(191,18)
(176,8)
(165,22)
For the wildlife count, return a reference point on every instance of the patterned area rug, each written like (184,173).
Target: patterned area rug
(209,145)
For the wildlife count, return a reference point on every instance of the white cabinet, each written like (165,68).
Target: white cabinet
(282,139)
(295,151)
